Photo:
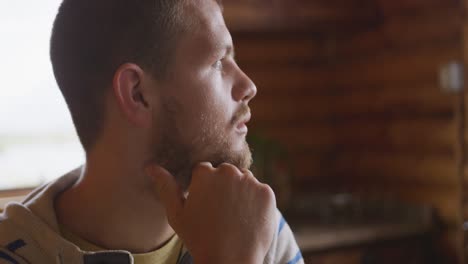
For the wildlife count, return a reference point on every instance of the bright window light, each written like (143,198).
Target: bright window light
(38,141)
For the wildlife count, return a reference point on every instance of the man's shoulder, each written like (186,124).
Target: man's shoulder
(27,233)
(8,228)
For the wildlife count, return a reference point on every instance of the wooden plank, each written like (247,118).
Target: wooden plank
(444,197)
(463,116)
(463,145)
(273,109)
(395,34)
(465,211)
(388,67)
(294,78)
(305,12)
(375,71)
(402,168)
(390,136)
(447,203)
(465,42)
(404,33)
(441,24)
(463,121)
(306,137)
(412,7)
(465,175)
(14,193)
(276,48)
(322,86)
(465,135)
(308,81)
(399,36)
(464,127)
(295,15)
(386,101)
(384,168)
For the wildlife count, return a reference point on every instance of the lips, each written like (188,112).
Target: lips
(245,119)
(241,125)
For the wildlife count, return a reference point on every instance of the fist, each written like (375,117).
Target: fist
(227,216)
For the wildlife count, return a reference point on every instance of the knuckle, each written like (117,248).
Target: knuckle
(249,175)
(201,168)
(229,169)
(267,193)
(204,165)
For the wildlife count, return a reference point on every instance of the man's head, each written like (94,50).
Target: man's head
(168,67)
(91,39)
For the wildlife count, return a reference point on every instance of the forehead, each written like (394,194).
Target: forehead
(205,28)
(204,13)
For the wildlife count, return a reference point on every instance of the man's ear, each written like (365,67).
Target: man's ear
(131,95)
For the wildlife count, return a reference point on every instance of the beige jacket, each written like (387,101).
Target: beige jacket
(29,234)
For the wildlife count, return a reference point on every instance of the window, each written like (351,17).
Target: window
(37,138)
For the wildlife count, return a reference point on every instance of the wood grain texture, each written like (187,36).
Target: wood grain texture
(357,101)
(297,15)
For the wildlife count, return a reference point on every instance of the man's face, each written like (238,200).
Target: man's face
(204,101)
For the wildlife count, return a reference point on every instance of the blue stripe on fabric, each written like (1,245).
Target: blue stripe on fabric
(281,224)
(4,256)
(15,245)
(186,259)
(296,258)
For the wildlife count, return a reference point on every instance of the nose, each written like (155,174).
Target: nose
(244,88)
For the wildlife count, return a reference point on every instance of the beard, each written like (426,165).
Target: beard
(211,144)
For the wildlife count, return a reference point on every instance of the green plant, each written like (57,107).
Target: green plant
(271,165)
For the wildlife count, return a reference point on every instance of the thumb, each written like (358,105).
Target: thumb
(168,191)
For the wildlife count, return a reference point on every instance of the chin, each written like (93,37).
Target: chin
(239,145)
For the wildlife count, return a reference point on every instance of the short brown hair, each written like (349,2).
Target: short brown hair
(92,38)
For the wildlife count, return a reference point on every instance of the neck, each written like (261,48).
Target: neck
(113,207)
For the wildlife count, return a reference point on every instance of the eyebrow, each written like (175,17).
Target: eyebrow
(224,48)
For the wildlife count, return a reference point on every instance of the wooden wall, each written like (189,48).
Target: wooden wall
(464,141)
(405,142)
(354,94)
(402,127)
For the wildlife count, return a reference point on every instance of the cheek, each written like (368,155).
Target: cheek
(207,106)
(194,119)
(211,107)
(206,124)
(211,117)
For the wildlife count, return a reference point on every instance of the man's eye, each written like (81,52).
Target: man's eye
(218,65)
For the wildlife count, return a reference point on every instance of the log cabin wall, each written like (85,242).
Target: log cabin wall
(464,129)
(402,130)
(351,88)
(289,49)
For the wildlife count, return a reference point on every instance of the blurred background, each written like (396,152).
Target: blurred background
(359,123)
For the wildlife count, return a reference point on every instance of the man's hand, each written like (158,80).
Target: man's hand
(227,217)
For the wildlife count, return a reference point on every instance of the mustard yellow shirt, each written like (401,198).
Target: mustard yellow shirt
(168,254)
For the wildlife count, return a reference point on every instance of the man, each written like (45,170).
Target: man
(160,107)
